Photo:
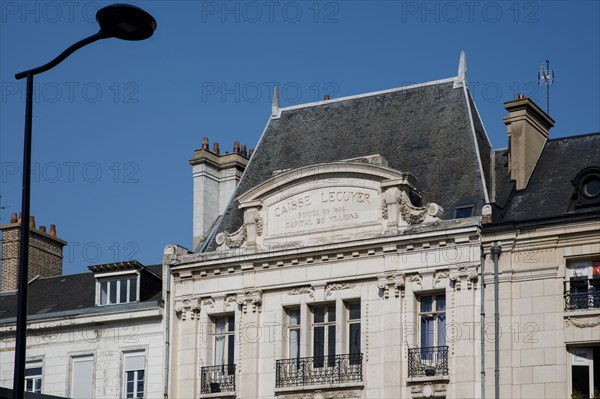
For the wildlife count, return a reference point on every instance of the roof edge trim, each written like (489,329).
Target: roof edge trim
(485,191)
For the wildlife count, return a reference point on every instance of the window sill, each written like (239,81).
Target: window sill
(434,378)
(312,388)
(218,395)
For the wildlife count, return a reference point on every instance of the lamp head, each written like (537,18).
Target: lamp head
(126,22)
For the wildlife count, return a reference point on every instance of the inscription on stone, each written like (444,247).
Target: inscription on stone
(323,208)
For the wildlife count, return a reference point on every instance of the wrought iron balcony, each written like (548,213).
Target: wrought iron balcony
(428,361)
(214,379)
(583,300)
(318,370)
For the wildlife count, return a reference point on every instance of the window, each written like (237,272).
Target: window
(33,377)
(324,335)
(463,212)
(585,371)
(432,318)
(583,290)
(354,332)
(224,340)
(82,377)
(134,374)
(117,290)
(293,333)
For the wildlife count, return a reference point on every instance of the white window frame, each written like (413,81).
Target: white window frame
(326,324)
(293,330)
(32,364)
(435,314)
(127,355)
(117,280)
(226,334)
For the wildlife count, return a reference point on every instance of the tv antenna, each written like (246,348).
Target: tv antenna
(546,76)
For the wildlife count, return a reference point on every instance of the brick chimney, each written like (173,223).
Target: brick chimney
(528,128)
(45,252)
(216,177)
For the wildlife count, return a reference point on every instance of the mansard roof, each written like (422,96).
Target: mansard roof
(550,192)
(431,130)
(73,293)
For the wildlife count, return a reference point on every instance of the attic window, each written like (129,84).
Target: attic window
(587,187)
(463,211)
(115,290)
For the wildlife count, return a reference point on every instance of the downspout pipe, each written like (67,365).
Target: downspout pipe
(167,329)
(482,333)
(496,251)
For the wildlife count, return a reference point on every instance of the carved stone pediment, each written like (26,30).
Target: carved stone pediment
(391,281)
(582,322)
(321,203)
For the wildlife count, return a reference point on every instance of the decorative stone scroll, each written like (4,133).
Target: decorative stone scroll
(428,390)
(246,235)
(399,210)
(464,274)
(249,297)
(416,278)
(439,276)
(337,286)
(391,280)
(582,322)
(303,290)
(187,307)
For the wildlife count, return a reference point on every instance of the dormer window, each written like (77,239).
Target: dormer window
(117,289)
(587,187)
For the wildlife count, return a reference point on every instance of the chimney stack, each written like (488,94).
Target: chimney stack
(45,252)
(216,177)
(205,143)
(528,128)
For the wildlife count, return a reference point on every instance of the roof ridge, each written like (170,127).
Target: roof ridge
(369,94)
(574,137)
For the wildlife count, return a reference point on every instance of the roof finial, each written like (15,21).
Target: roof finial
(462,70)
(275,105)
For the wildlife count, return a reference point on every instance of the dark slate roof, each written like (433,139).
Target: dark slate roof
(425,130)
(70,292)
(549,191)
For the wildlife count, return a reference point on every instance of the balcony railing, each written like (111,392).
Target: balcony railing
(582,300)
(428,362)
(319,370)
(215,379)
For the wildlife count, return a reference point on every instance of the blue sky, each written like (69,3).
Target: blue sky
(116,123)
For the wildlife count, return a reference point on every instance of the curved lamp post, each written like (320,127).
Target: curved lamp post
(121,21)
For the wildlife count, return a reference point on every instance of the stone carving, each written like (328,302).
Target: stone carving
(391,280)
(230,299)
(337,286)
(399,209)
(428,390)
(463,274)
(303,290)
(439,275)
(582,322)
(384,209)
(416,278)
(187,307)
(249,297)
(319,394)
(208,302)
(246,235)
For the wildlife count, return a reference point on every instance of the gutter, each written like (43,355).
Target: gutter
(496,251)
(482,333)
(167,330)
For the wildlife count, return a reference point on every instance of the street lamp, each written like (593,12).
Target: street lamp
(121,21)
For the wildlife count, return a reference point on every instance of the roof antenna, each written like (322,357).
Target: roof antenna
(546,76)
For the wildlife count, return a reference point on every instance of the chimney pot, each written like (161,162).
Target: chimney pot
(43,229)
(326,97)
(520,96)
(251,152)
(53,230)
(20,217)
(244,152)
(205,143)
(236,147)
(216,148)
(31,222)
(13,217)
